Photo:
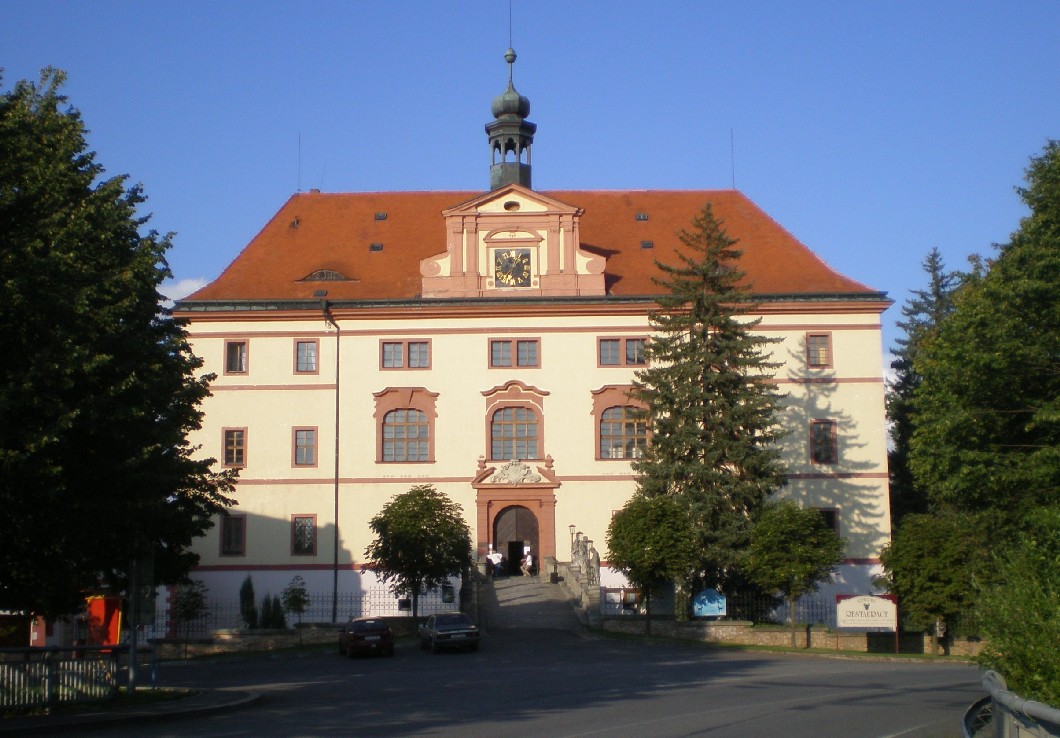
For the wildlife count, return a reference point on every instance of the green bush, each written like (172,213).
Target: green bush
(247,610)
(1018,613)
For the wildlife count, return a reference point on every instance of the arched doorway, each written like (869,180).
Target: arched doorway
(514,529)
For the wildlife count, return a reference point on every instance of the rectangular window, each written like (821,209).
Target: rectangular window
(393,355)
(526,353)
(405,354)
(419,355)
(304,535)
(305,357)
(824,443)
(819,350)
(609,348)
(522,352)
(235,357)
(305,446)
(500,353)
(831,519)
(233,535)
(622,352)
(235,452)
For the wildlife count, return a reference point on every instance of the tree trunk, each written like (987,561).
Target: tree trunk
(647,613)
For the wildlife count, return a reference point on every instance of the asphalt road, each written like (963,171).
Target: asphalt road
(543,683)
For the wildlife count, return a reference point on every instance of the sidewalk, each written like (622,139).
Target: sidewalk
(204,702)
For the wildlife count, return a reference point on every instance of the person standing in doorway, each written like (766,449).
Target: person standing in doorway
(528,561)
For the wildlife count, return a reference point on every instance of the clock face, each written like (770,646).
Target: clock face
(512,267)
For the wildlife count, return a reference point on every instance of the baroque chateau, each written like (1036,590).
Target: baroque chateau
(484,343)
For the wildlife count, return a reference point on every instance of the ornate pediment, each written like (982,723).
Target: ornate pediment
(512,242)
(515,473)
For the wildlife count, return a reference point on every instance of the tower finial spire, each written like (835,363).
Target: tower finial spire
(510,134)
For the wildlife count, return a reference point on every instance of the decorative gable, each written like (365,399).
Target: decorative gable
(512,242)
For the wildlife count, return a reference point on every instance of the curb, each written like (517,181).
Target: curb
(209,702)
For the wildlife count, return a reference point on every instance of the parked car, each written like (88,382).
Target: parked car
(366,635)
(449,630)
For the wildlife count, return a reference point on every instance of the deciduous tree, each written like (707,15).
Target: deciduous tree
(653,542)
(99,392)
(931,565)
(792,550)
(1018,613)
(987,429)
(421,540)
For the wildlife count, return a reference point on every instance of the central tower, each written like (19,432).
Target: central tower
(510,135)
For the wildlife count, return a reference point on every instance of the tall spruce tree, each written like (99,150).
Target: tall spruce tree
(98,393)
(711,406)
(922,314)
(986,435)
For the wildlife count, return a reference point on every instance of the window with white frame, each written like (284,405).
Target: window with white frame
(305,361)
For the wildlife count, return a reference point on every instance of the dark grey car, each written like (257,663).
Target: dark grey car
(449,630)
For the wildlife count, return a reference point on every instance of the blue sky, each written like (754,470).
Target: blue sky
(873,131)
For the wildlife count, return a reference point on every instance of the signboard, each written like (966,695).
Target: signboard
(709,603)
(866,611)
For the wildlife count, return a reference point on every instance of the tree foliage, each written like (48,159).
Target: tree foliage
(421,540)
(248,609)
(711,408)
(652,541)
(987,431)
(188,603)
(99,394)
(295,596)
(1018,613)
(931,566)
(922,314)
(792,550)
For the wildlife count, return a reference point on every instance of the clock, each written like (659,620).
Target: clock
(512,267)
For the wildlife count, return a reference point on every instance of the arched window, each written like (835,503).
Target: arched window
(406,435)
(514,434)
(405,417)
(623,433)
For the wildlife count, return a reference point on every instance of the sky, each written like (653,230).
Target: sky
(872,131)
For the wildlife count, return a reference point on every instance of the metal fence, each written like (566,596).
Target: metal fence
(758,609)
(45,677)
(223,615)
(1007,715)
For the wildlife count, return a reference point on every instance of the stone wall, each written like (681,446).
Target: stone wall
(232,641)
(744,633)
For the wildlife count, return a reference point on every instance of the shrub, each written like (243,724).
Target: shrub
(1018,613)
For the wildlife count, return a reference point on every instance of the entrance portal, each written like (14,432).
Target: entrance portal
(514,529)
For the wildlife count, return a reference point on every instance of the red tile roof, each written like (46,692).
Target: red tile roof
(320,231)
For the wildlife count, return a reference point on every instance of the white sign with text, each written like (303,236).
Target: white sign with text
(866,611)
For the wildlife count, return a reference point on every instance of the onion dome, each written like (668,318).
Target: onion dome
(510,103)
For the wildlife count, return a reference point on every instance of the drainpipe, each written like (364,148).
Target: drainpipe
(326,309)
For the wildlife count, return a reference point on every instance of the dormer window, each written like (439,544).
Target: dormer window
(326,275)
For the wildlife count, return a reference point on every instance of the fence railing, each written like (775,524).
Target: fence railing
(46,677)
(754,608)
(380,601)
(1009,715)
